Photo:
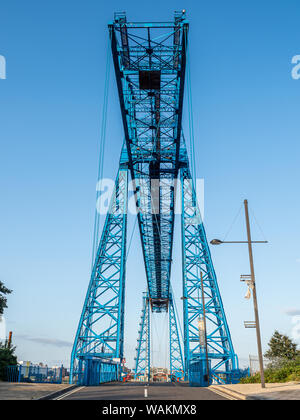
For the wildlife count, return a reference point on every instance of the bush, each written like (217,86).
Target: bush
(251,379)
(7,358)
(285,371)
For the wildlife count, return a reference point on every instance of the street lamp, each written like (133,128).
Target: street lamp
(257,325)
(219,242)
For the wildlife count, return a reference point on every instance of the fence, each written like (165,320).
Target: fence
(238,374)
(39,374)
(254,364)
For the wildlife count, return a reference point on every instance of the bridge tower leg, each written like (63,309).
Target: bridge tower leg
(142,359)
(100,334)
(196,258)
(176,359)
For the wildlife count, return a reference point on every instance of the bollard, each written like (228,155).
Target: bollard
(145,392)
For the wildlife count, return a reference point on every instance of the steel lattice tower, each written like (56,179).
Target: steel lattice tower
(150,66)
(176,359)
(142,359)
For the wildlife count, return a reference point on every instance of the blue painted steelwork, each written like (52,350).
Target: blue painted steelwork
(196,258)
(98,371)
(198,373)
(100,333)
(149,61)
(176,359)
(150,65)
(142,359)
(13,373)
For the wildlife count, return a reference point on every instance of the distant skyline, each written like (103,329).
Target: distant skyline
(246,117)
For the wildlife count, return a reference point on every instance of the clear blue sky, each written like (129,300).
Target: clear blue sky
(246,114)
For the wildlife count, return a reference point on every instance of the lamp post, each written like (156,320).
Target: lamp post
(257,324)
(205,331)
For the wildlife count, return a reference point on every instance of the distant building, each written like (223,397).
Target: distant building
(159,374)
(126,369)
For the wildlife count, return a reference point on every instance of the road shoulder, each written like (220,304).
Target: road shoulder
(276,391)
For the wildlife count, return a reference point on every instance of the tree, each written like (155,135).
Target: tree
(3,301)
(7,358)
(281,347)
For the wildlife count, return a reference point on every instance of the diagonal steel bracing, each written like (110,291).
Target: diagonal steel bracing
(150,65)
(142,359)
(149,61)
(196,259)
(100,331)
(176,359)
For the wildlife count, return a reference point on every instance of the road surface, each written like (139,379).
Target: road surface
(135,391)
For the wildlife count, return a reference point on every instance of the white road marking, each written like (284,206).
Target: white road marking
(227,396)
(61,397)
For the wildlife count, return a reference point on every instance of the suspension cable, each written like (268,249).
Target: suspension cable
(101,152)
(233,222)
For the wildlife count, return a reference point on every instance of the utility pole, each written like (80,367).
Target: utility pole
(205,332)
(258,336)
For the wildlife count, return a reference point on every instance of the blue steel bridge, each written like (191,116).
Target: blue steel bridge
(150,64)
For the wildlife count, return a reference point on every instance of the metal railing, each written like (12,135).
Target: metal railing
(32,373)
